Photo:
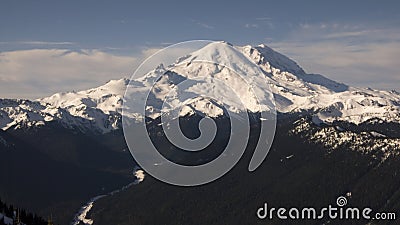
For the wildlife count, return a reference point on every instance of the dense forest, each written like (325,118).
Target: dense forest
(298,172)
(19,216)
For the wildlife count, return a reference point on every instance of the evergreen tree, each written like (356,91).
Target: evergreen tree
(1,206)
(28,219)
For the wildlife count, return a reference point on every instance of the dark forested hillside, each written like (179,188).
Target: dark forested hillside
(55,170)
(296,173)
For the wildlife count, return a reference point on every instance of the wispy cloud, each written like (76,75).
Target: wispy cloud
(263,18)
(346,34)
(305,26)
(251,25)
(202,24)
(43,43)
(205,25)
(354,54)
(261,22)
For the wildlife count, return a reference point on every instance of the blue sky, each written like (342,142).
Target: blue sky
(51,46)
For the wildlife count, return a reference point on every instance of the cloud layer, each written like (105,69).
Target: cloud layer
(40,72)
(350,54)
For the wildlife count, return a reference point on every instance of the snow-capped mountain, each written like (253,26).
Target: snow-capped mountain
(293,90)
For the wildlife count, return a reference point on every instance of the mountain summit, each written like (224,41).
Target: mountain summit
(293,90)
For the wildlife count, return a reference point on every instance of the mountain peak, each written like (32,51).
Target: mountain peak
(218,54)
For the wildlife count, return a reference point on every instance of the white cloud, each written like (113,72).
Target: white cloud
(39,72)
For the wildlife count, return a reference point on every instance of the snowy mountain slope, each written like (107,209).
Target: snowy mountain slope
(293,90)
(97,108)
